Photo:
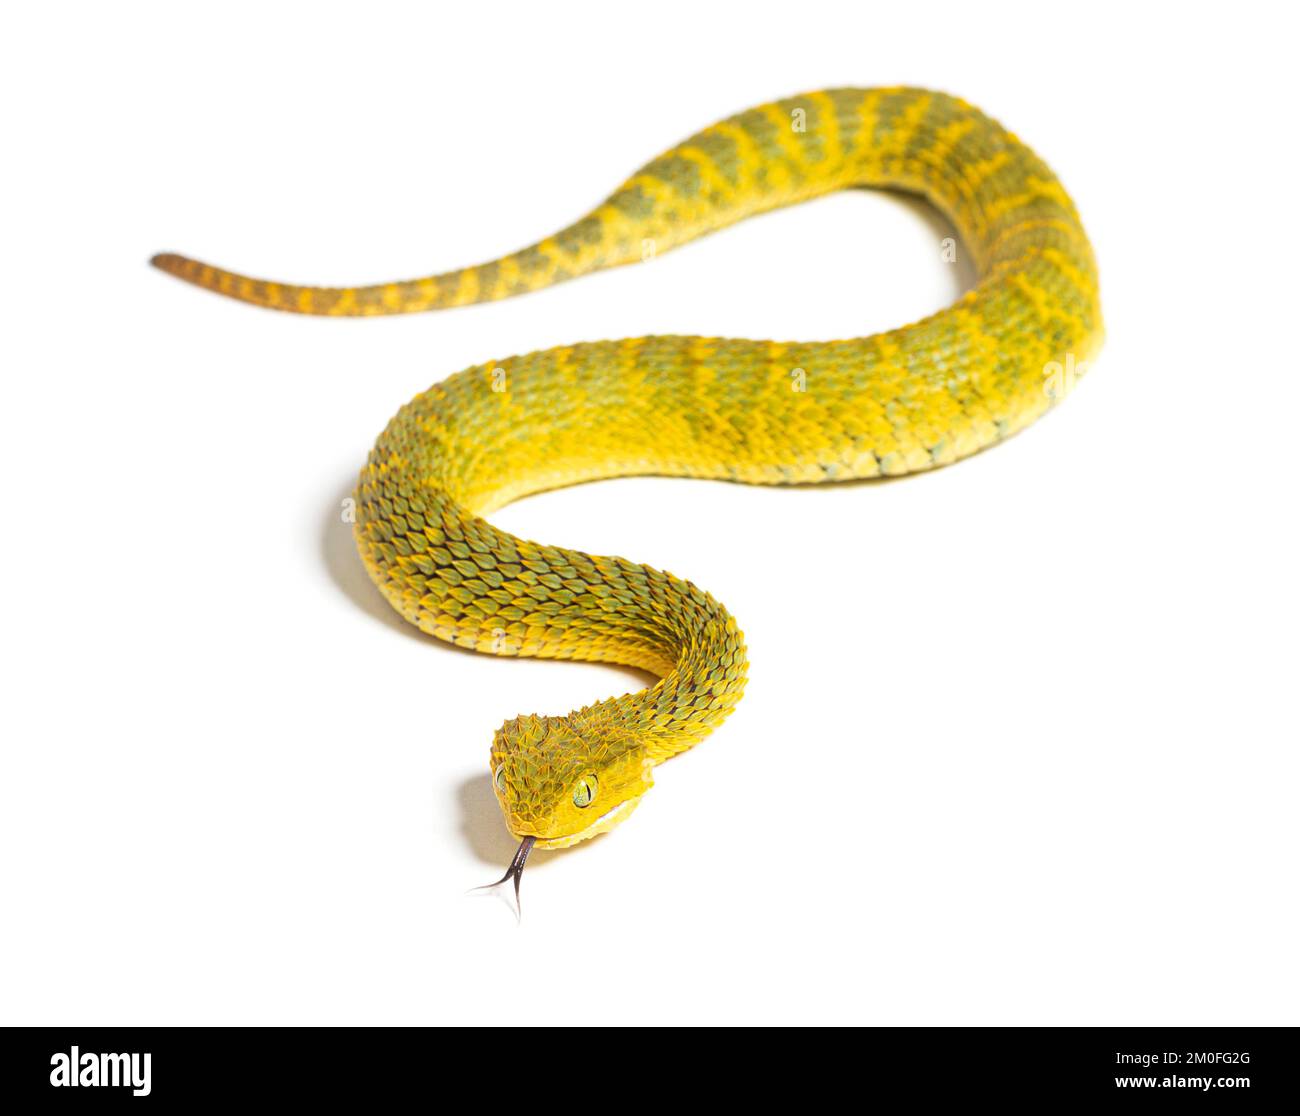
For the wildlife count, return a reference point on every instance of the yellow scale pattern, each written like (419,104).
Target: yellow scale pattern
(760,412)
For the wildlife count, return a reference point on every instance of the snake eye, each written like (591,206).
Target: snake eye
(584,791)
(499,778)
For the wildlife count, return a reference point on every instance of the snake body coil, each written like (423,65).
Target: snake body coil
(760,412)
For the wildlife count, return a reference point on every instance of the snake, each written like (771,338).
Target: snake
(748,411)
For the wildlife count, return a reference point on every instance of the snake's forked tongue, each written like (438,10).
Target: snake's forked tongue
(507,887)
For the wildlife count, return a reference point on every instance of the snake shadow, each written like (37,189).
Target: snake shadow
(482,827)
(339,556)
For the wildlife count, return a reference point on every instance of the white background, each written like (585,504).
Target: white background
(1020,739)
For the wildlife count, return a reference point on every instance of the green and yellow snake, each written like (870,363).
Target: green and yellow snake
(759,412)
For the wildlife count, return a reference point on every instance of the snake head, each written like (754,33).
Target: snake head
(565,779)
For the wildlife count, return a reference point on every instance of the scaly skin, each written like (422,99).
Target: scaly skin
(760,412)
